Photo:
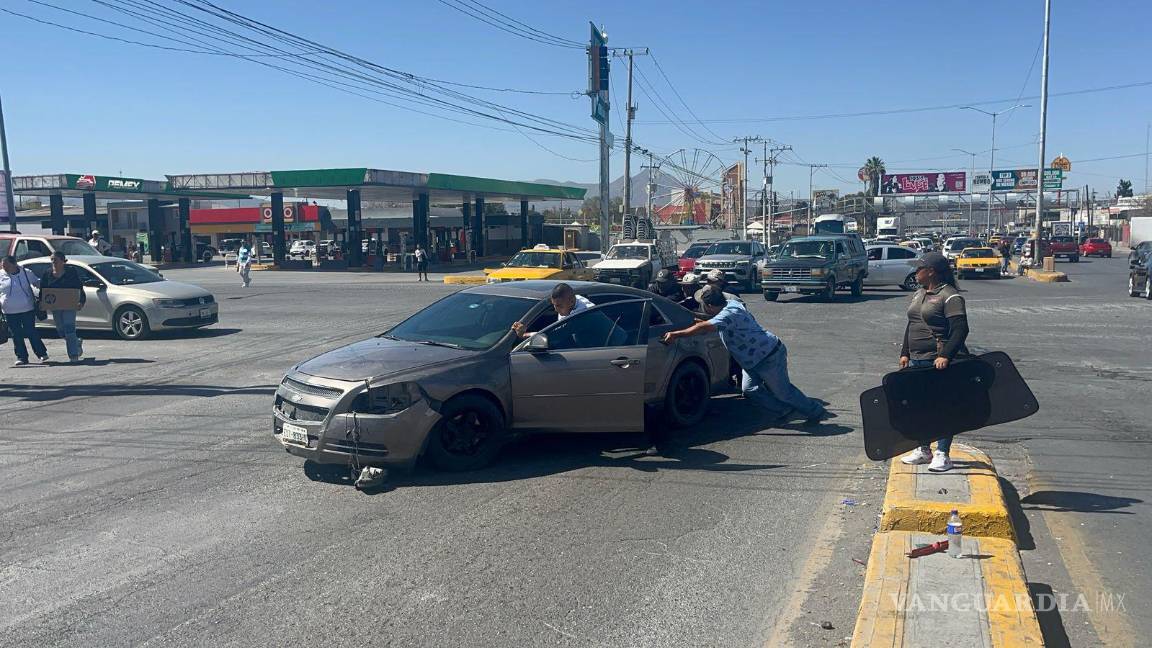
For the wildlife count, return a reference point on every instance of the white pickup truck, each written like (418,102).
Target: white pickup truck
(635,263)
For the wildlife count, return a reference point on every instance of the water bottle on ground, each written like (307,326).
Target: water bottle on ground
(955,534)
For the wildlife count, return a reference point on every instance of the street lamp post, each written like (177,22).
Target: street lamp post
(972,194)
(992,153)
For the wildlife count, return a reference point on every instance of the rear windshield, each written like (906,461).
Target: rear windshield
(694,251)
(956,246)
(979,254)
(1063,239)
(1097,241)
(73,247)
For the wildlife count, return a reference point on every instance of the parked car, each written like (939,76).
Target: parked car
(687,261)
(738,260)
(983,261)
(454,383)
(132,300)
(816,265)
(891,265)
(635,263)
(302,248)
(1064,246)
(25,246)
(1096,247)
(541,262)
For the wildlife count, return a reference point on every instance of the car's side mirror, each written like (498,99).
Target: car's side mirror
(538,343)
(95,283)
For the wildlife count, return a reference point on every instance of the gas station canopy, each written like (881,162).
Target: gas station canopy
(78,185)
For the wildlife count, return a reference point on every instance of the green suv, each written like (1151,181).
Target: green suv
(816,265)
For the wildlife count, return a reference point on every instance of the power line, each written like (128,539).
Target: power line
(660,69)
(509,25)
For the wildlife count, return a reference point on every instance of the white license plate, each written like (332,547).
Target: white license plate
(205,312)
(614,280)
(791,289)
(295,434)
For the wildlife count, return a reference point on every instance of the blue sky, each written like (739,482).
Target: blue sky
(75,103)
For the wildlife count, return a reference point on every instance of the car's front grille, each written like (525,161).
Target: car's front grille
(298,412)
(312,390)
(791,273)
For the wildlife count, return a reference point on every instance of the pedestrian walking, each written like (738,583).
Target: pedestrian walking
(62,276)
(665,284)
(18,303)
(935,334)
(1006,254)
(421,263)
(244,264)
(762,355)
(95,240)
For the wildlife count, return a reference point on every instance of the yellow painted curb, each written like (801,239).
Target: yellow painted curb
(466,280)
(986,514)
(886,604)
(1047,277)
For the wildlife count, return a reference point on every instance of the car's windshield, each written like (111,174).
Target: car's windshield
(125,273)
(978,254)
(466,320)
(72,247)
(731,247)
(628,252)
(534,260)
(694,251)
(806,250)
(1097,241)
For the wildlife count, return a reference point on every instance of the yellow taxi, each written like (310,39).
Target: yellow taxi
(983,261)
(541,262)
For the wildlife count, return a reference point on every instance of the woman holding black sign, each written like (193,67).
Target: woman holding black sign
(57,280)
(936,331)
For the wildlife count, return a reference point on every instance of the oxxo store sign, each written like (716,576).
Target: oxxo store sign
(290,224)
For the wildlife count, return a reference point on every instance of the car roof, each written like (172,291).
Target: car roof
(50,237)
(542,289)
(82,258)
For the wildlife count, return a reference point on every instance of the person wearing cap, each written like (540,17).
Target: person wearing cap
(763,356)
(717,279)
(665,284)
(935,334)
(689,284)
(99,243)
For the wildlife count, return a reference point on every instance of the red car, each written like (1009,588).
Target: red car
(687,262)
(1096,247)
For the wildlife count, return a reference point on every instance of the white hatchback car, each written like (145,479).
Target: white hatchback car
(891,265)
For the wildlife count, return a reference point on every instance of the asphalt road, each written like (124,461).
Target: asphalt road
(146,502)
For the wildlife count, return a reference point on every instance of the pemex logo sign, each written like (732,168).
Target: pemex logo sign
(88,182)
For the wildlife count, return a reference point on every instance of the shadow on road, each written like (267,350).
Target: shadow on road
(45,393)
(846,299)
(1048,616)
(1077,502)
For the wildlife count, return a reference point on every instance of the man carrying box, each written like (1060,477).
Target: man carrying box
(62,292)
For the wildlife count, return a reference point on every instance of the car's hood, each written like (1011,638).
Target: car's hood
(723,258)
(378,357)
(522,273)
(620,264)
(168,289)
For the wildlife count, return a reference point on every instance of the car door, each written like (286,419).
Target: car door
(591,376)
(97,311)
(897,264)
(875,267)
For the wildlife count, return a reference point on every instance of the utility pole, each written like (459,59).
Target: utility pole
(770,158)
(992,154)
(630,111)
(971,194)
(747,139)
(7,171)
(1043,132)
(651,186)
(811,193)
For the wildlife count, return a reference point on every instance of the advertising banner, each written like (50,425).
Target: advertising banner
(1025,179)
(922,183)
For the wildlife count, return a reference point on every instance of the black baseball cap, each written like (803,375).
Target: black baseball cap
(935,261)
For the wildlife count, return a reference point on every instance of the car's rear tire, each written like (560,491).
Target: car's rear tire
(1132,290)
(468,436)
(858,286)
(771,296)
(1148,287)
(910,282)
(686,401)
(130,323)
(207,256)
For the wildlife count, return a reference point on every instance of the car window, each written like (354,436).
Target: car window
(730,247)
(875,254)
(30,249)
(73,247)
(534,260)
(900,253)
(37,269)
(125,273)
(606,326)
(655,317)
(840,248)
(694,251)
(570,261)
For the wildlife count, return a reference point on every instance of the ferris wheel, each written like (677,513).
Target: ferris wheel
(688,184)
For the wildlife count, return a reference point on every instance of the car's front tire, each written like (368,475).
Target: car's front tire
(771,295)
(207,256)
(686,401)
(1148,287)
(130,323)
(829,292)
(858,286)
(468,436)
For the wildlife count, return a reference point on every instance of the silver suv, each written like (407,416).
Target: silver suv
(738,260)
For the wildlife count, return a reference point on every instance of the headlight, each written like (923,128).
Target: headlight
(167,303)
(387,399)
(819,272)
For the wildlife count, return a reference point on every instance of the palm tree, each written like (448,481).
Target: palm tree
(874,168)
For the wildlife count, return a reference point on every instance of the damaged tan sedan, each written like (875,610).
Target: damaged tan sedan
(454,383)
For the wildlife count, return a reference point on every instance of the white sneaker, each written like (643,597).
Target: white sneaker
(941,462)
(917,457)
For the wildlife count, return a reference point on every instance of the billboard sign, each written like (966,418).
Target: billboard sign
(1025,179)
(924,183)
(981,180)
(88,182)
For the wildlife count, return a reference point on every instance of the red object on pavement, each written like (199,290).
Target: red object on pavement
(1096,247)
(935,547)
